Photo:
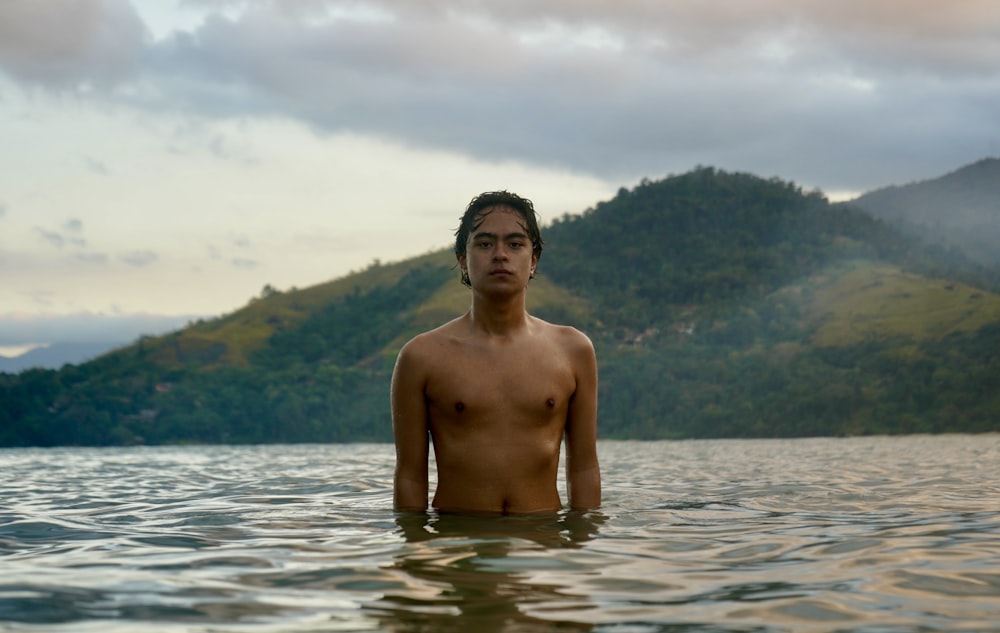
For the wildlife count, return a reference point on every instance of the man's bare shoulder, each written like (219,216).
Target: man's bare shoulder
(565,334)
(566,337)
(430,343)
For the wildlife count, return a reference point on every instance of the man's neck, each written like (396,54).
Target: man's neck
(499,316)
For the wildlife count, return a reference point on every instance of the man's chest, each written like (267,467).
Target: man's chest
(522,381)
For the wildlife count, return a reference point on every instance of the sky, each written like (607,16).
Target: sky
(164,160)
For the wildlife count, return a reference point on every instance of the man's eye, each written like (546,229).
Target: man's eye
(516,244)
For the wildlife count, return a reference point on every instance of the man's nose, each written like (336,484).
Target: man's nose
(500,252)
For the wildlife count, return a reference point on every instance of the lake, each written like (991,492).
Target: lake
(880,534)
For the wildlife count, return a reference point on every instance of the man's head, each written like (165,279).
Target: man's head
(479,208)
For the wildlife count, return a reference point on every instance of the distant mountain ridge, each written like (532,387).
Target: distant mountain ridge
(721,305)
(960,209)
(56,355)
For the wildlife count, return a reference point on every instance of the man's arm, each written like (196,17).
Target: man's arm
(583,473)
(409,429)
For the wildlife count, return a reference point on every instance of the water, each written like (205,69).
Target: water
(861,534)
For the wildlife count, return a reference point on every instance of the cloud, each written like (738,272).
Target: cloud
(53,238)
(65,43)
(245,263)
(41,298)
(228,149)
(97,166)
(139,259)
(819,91)
(93,258)
(621,88)
(60,239)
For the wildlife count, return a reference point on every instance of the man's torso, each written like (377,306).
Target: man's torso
(496,411)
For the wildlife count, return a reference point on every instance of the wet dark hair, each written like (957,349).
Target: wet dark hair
(475,213)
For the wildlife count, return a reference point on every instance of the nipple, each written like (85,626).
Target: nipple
(459,406)
(550,403)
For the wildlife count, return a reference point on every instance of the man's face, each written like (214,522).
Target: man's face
(499,253)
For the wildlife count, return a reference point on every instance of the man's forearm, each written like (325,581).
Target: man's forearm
(409,494)
(584,488)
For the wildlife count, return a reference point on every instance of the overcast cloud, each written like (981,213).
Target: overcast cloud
(831,93)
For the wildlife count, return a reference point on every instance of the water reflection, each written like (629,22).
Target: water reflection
(565,529)
(479,571)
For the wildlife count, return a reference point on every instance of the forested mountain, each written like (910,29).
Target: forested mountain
(960,209)
(721,305)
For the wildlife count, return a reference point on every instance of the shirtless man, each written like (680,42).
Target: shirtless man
(496,390)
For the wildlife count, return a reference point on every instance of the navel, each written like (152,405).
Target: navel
(460,406)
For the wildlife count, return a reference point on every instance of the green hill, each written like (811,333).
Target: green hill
(721,305)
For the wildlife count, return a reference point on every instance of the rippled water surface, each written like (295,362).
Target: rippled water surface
(859,534)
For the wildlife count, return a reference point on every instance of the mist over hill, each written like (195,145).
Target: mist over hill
(721,305)
(960,209)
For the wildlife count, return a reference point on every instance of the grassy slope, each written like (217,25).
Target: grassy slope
(862,301)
